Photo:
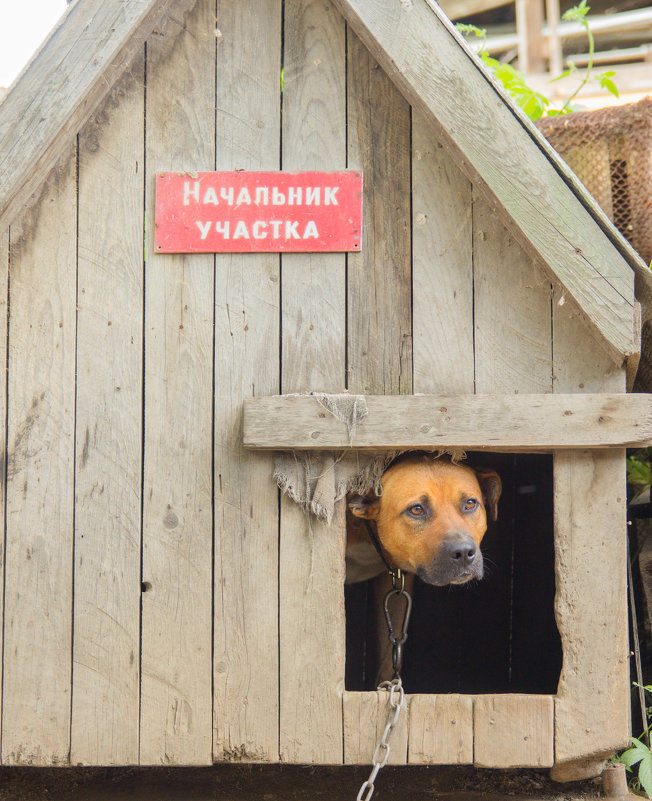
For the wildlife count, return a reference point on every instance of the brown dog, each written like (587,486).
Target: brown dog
(429,520)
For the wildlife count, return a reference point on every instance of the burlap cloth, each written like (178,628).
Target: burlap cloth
(316,480)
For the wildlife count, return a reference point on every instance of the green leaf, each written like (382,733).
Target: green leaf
(571,69)
(639,473)
(609,85)
(577,13)
(645,773)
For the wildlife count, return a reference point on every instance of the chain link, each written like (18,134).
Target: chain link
(381,754)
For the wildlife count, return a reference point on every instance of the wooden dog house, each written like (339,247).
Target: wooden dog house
(160,606)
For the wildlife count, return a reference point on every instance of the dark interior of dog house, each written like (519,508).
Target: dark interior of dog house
(492,636)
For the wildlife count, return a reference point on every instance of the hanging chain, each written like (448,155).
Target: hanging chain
(395,686)
(398,641)
(381,754)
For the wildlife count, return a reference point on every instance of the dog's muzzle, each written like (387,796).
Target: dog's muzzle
(457,561)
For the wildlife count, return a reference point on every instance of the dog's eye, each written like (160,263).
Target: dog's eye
(470,504)
(417,510)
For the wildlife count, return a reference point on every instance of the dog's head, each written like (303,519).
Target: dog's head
(431,517)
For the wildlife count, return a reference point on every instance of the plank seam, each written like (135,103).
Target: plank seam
(74,461)
(5,477)
(142,411)
(213,411)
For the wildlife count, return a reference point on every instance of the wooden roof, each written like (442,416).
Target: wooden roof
(533,192)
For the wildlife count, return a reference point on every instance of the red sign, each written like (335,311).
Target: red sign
(245,212)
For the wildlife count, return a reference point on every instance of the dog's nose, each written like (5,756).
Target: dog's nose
(462,553)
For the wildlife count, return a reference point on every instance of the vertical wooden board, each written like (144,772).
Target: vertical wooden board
(580,363)
(246,364)
(176,691)
(441,730)
(592,702)
(4,318)
(365,717)
(106,645)
(311,574)
(590,565)
(442,267)
(513,348)
(40,477)
(379,277)
(512,731)
(314,138)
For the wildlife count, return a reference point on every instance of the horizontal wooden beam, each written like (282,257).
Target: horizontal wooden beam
(63,85)
(502,153)
(512,423)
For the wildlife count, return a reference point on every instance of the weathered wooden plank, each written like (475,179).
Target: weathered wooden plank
(426,59)
(365,718)
(176,695)
(106,644)
(379,300)
(4,319)
(513,344)
(442,256)
(246,684)
(313,355)
(592,701)
(579,364)
(40,471)
(314,137)
(93,43)
(493,422)
(590,570)
(512,731)
(441,730)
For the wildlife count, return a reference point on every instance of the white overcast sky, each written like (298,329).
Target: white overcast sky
(23,26)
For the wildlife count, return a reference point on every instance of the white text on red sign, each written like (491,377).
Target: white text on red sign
(258,211)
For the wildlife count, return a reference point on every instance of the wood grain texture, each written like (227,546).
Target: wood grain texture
(379,286)
(4,320)
(106,646)
(492,422)
(313,355)
(590,569)
(579,364)
(86,52)
(246,684)
(513,347)
(40,478)
(592,702)
(512,731)
(314,138)
(500,153)
(442,252)
(365,717)
(441,730)
(176,696)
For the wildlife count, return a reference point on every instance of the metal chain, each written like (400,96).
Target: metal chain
(381,754)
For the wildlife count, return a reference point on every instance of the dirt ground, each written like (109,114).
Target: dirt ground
(284,783)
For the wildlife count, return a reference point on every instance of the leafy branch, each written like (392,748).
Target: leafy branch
(534,104)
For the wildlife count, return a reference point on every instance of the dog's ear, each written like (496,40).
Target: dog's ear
(366,506)
(491,487)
